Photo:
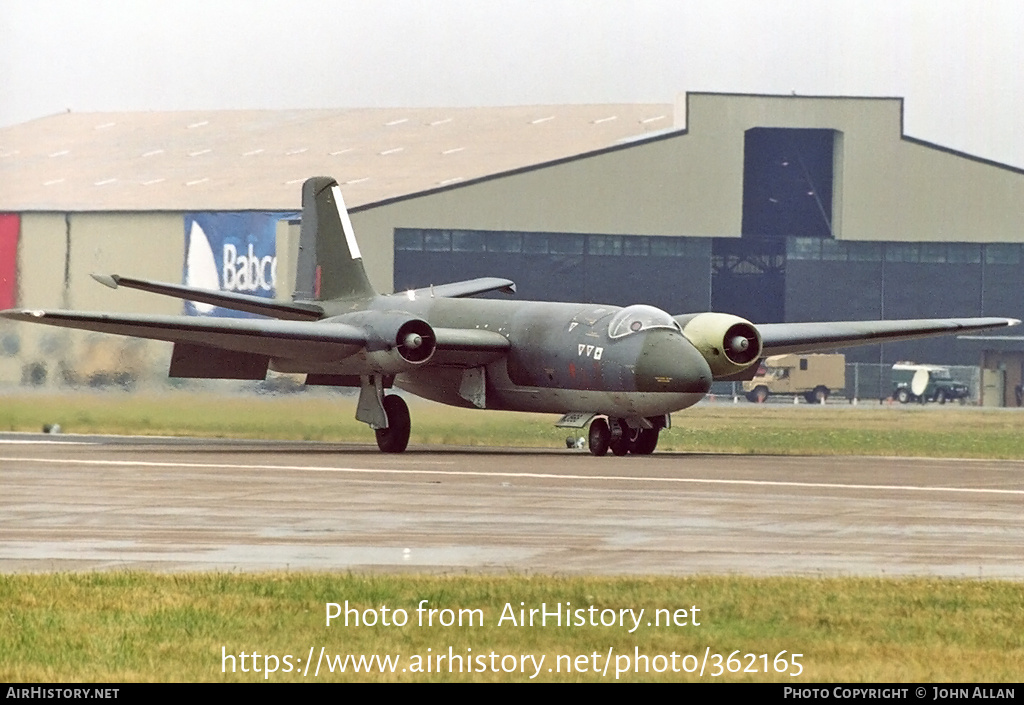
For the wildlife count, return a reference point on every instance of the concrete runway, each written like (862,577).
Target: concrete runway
(77,502)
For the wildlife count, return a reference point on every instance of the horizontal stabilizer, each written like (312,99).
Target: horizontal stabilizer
(283,310)
(458,290)
(779,338)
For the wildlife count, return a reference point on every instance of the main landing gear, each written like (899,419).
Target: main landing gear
(386,414)
(395,437)
(616,435)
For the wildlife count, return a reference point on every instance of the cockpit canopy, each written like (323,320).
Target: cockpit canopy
(639,317)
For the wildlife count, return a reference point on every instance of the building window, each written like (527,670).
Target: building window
(610,245)
(833,251)
(902,252)
(468,241)
(803,248)
(934,252)
(408,240)
(504,242)
(563,244)
(963,253)
(635,246)
(1002,253)
(864,251)
(437,240)
(535,243)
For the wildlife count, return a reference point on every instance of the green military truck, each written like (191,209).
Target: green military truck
(924,383)
(814,377)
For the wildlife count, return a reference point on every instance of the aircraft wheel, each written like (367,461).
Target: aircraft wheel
(646,441)
(395,437)
(624,443)
(599,438)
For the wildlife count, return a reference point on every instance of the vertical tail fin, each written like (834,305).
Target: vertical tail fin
(329,264)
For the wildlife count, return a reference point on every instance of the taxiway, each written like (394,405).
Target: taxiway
(78,502)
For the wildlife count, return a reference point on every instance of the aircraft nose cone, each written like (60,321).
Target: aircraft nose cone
(668,362)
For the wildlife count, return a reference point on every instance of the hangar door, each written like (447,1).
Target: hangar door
(788,185)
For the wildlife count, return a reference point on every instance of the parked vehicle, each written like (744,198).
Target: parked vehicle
(924,383)
(814,377)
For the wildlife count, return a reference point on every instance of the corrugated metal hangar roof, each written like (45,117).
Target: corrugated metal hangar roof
(236,160)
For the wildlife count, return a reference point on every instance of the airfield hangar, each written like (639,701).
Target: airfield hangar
(776,208)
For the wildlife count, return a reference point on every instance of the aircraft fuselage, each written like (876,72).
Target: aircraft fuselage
(563,358)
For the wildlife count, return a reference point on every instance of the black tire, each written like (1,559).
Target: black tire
(395,437)
(621,437)
(646,441)
(809,397)
(902,395)
(760,394)
(940,396)
(620,446)
(820,394)
(599,437)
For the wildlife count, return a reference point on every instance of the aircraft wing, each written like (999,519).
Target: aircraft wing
(779,338)
(271,338)
(251,342)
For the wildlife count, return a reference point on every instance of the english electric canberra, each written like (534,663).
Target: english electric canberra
(623,370)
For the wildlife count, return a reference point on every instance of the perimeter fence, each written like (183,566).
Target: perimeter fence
(865,382)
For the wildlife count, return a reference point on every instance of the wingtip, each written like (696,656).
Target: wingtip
(22,314)
(108,280)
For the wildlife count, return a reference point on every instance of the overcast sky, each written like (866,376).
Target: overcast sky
(958,63)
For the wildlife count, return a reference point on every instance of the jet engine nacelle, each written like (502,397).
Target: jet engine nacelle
(730,344)
(395,341)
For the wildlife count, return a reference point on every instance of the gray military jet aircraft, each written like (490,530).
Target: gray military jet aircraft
(624,370)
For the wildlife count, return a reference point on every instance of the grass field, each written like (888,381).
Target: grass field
(930,431)
(136,627)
